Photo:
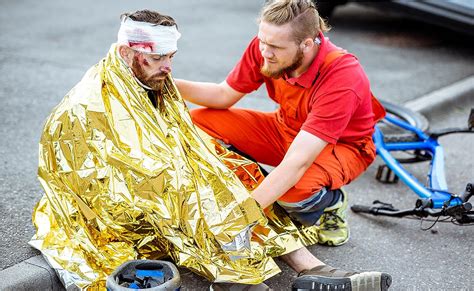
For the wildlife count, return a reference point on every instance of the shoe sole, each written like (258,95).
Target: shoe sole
(367,281)
(332,244)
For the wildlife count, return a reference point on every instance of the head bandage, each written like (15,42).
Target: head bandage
(147,37)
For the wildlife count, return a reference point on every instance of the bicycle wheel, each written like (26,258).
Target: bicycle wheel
(393,133)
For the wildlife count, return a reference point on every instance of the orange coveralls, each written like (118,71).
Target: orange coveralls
(266,138)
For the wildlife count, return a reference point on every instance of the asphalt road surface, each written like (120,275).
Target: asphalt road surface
(48,45)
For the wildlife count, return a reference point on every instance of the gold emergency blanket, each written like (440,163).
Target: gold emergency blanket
(124,180)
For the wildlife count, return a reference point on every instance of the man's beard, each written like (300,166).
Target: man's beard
(151,81)
(278,73)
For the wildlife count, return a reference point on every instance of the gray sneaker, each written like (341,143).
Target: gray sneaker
(328,278)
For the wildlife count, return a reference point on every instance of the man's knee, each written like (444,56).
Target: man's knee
(314,180)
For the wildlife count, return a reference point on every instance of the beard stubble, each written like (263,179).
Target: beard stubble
(151,81)
(278,73)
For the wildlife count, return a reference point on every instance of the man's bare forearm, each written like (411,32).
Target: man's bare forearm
(300,156)
(278,182)
(212,95)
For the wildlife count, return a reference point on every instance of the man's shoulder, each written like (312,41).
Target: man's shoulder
(341,64)
(86,93)
(343,73)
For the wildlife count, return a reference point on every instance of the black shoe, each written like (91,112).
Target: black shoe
(328,278)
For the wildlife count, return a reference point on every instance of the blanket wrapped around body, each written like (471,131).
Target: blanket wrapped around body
(126,180)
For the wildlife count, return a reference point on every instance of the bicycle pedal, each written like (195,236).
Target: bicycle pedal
(386,175)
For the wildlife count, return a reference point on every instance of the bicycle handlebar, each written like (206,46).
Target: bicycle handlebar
(461,213)
(468,192)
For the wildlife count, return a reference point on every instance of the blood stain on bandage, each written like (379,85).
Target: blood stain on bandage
(144,46)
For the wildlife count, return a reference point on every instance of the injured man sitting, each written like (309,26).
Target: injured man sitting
(128,176)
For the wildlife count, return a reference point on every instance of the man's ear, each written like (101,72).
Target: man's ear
(126,53)
(307,45)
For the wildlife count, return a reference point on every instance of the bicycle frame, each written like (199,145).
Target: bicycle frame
(438,189)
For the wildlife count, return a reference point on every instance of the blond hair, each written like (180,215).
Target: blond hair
(303,15)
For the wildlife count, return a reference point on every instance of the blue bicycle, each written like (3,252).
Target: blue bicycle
(406,131)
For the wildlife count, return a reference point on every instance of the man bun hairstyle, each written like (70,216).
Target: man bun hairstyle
(149,16)
(302,14)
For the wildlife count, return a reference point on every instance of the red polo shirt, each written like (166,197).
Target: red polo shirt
(333,102)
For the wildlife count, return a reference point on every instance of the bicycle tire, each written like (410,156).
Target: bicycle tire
(393,133)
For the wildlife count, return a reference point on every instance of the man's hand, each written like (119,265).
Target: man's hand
(300,156)
(211,95)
